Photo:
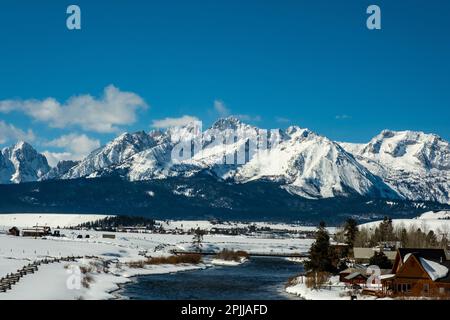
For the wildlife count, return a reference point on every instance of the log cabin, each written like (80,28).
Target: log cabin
(419,273)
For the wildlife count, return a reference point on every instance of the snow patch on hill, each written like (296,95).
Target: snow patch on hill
(52,220)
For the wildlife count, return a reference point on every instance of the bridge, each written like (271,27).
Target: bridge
(251,254)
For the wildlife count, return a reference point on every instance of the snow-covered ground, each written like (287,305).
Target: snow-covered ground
(439,222)
(222,262)
(51,281)
(435,215)
(24,220)
(332,290)
(187,225)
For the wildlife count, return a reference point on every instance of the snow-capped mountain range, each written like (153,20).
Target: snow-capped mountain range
(393,165)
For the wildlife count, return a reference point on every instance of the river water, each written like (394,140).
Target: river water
(257,279)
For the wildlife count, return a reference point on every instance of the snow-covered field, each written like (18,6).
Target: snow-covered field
(187,225)
(22,220)
(439,222)
(51,281)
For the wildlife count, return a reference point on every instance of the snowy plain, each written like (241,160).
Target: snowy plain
(51,281)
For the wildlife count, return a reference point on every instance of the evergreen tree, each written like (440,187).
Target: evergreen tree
(444,242)
(404,239)
(198,239)
(350,232)
(321,254)
(379,259)
(431,240)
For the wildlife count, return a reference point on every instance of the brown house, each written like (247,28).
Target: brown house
(419,272)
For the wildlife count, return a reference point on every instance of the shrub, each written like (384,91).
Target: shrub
(87,280)
(136,264)
(292,281)
(231,255)
(183,258)
(85,269)
(316,279)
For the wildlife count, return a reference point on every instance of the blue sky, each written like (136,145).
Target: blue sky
(274,63)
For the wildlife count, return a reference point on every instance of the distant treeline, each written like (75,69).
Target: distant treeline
(112,223)
(409,237)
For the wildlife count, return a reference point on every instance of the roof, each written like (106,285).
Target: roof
(354,275)
(34,230)
(447,278)
(363,253)
(433,261)
(367,253)
(354,269)
(362,269)
(430,254)
(387,276)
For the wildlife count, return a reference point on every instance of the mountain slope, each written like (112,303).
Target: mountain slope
(201,196)
(415,164)
(115,152)
(305,163)
(21,163)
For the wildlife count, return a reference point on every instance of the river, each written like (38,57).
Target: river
(257,279)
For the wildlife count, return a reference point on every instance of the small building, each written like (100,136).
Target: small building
(108,236)
(356,278)
(36,232)
(355,269)
(363,255)
(359,274)
(14,231)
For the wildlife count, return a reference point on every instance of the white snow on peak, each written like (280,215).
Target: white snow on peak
(415,164)
(22,163)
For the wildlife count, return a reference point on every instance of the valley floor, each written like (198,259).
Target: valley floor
(104,264)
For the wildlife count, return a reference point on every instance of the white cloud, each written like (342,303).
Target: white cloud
(246,117)
(106,114)
(221,108)
(54,157)
(76,147)
(11,134)
(282,120)
(174,122)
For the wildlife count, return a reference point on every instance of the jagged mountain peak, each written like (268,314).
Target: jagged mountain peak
(413,148)
(414,163)
(231,122)
(115,152)
(22,163)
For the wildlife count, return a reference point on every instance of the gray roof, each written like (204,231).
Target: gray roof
(354,275)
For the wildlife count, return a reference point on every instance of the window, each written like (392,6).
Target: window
(441,290)
(404,287)
(426,288)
